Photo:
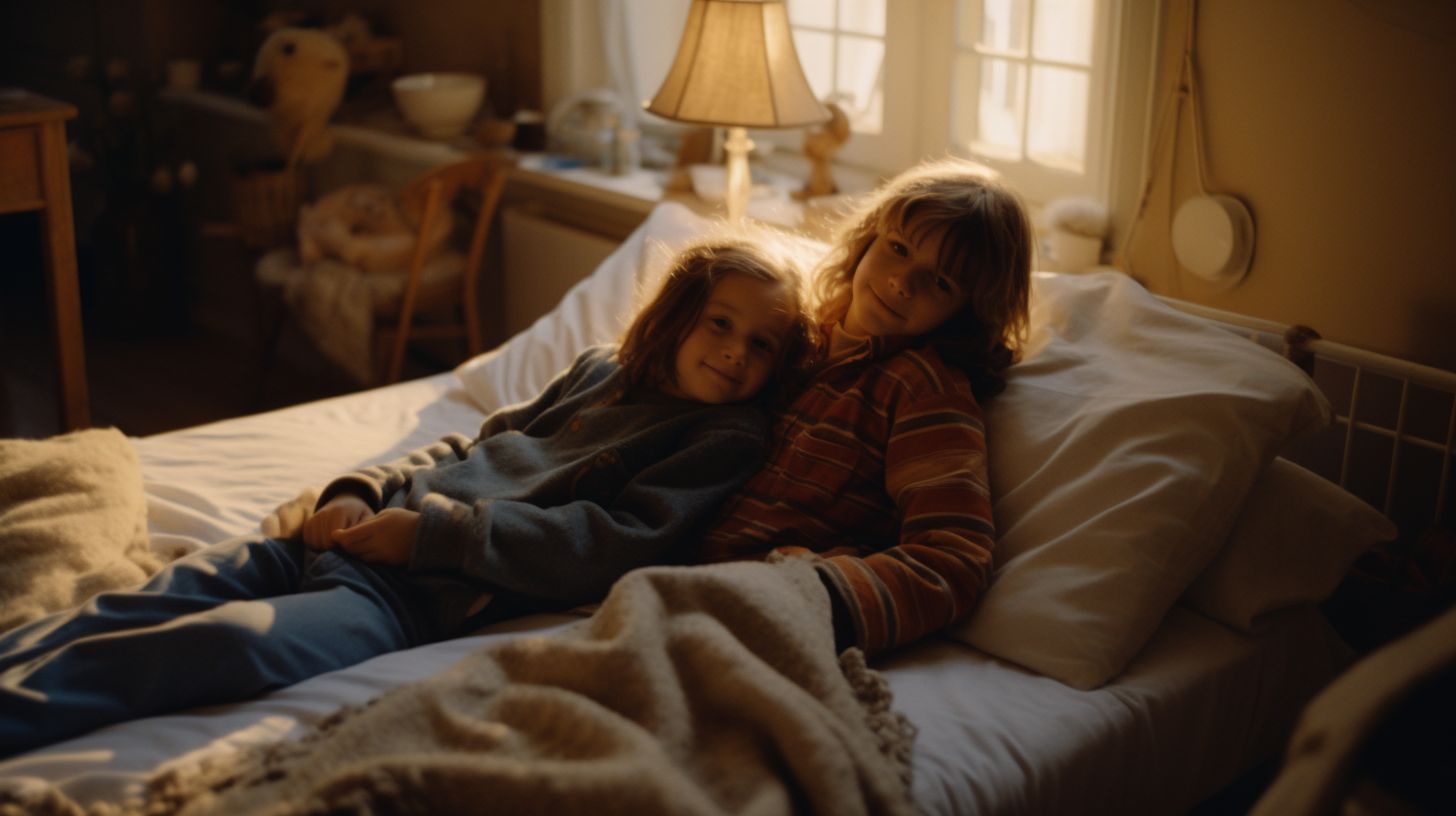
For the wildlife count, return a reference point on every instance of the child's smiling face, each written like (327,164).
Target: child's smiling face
(898,287)
(729,354)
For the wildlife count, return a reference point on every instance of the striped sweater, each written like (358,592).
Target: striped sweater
(879,474)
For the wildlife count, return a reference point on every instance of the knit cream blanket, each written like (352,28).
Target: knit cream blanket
(692,690)
(73,522)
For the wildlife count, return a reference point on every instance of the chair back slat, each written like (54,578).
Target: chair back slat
(422,200)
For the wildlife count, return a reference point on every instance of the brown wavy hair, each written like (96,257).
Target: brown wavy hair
(986,248)
(648,350)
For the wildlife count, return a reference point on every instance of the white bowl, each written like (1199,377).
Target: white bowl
(439,105)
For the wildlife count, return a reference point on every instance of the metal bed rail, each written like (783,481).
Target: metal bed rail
(1305,347)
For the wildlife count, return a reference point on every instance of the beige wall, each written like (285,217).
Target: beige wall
(501,39)
(1338,130)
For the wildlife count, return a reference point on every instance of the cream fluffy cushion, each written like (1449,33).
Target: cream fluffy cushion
(1121,451)
(73,522)
(1294,540)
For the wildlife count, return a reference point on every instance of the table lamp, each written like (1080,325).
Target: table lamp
(737,67)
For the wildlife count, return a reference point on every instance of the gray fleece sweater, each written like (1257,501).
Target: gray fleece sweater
(558,497)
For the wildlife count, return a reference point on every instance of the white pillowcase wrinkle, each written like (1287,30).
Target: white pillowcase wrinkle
(1121,451)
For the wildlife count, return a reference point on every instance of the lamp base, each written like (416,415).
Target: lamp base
(738,181)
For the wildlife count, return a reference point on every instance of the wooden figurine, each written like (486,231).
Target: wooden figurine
(820,145)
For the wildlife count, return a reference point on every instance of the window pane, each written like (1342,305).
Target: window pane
(965,91)
(1064,31)
(862,16)
(814,13)
(858,86)
(1057,130)
(816,54)
(988,108)
(1001,25)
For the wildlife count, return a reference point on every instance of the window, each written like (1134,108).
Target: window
(1025,74)
(841,45)
(1029,87)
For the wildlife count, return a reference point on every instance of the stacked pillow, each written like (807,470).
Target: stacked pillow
(1122,454)
(1293,541)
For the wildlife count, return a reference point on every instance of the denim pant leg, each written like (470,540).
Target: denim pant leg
(238,569)
(165,648)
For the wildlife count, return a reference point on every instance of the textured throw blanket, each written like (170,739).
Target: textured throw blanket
(692,690)
(73,522)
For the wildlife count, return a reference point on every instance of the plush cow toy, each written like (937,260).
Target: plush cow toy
(299,77)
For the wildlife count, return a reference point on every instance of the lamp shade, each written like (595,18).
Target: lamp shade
(737,66)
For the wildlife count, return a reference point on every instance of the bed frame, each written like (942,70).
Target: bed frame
(1391,444)
(1394,430)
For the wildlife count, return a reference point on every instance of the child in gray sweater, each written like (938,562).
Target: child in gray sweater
(614,466)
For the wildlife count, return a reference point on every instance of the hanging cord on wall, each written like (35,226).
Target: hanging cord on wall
(1184,87)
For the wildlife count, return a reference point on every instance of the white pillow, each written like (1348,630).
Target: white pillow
(599,308)
(596,310)
(1120,453)
(1292,543)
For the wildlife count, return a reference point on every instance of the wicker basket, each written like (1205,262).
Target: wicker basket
(266,205)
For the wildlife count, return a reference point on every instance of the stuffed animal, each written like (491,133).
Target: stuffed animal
(365,226)
(299,77)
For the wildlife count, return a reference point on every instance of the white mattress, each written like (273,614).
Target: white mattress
(1198,706)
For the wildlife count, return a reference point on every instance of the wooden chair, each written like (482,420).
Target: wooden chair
(395,316)
(427,194)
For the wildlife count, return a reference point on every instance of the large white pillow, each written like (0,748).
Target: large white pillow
(1120,453)
(1295,538)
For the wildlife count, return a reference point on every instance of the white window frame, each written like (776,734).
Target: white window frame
(894,147)
(1037,182)
(920,49)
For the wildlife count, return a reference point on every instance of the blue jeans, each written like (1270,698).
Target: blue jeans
(223,624)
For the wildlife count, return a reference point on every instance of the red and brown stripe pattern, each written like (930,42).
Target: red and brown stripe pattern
(880,470)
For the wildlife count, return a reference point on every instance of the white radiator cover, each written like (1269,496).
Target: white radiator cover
(543,259)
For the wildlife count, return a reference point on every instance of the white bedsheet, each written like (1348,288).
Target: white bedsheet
(1198,705)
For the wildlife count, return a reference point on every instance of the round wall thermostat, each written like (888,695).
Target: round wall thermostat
(1213,237)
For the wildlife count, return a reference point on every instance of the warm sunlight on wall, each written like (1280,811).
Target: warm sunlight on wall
(1339,131)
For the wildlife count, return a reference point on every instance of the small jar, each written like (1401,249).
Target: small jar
(626,151)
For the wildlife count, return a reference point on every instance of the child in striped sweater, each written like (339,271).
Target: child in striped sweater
(879,472)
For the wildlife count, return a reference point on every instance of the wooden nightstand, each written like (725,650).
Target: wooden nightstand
(34,176)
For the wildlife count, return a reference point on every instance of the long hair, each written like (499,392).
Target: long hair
(986,248)
(648,351)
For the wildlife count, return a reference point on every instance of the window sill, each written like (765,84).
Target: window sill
(620,201)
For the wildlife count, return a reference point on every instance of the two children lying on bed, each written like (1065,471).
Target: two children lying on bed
(878,474)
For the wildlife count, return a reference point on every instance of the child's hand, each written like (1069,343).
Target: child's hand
(387,538)
(286,522)
(341,512)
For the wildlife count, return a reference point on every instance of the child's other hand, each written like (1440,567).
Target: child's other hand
(341,512)
(387,538)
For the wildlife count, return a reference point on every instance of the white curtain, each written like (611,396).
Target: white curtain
(624,45)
